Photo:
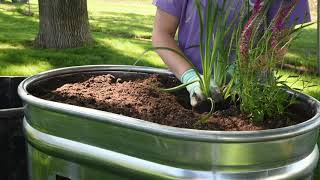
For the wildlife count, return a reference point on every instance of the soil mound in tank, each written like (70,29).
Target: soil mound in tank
(141,97)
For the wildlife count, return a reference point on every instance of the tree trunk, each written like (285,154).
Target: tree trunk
(63,24)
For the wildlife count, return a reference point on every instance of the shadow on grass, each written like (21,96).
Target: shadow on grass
(127,25)
(18,32)
(97,54)
(315,94)
(303,50)
(17,29)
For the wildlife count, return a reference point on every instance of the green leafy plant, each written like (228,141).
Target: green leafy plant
(218,31)
(260,89)
(258,46)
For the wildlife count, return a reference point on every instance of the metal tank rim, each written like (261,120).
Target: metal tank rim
(157,129)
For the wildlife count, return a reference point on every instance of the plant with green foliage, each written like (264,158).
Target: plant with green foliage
(260,91)
(258,45)
(218,29)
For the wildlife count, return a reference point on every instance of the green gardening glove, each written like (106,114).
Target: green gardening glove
(194,89)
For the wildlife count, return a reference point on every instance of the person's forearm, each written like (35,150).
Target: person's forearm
(177,64)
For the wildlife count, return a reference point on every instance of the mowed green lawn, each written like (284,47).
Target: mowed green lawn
(122,32)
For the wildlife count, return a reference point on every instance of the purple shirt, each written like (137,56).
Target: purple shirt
(189,28)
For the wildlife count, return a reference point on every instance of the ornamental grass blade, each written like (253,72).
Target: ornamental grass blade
(293,76)
(205,28)
(311,86)
(201,20)
(181,55)
(177,88)
(302,27)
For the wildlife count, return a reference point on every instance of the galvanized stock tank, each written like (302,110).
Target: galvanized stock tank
(67,142)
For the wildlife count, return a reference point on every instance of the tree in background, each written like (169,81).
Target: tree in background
(63,24)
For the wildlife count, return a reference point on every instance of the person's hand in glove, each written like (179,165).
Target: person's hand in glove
(194,89)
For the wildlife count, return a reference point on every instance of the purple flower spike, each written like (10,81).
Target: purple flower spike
(257,6)
(279,25)
(248,28)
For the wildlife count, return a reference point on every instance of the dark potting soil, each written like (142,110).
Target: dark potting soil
(142,98)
